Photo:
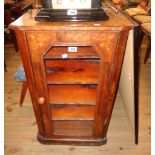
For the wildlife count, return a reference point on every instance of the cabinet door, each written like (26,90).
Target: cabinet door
(127,82)
(72,75)
(66,86)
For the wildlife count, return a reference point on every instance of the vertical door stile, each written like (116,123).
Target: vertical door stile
(36,52)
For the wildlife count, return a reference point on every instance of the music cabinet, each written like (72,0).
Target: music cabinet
(72,69)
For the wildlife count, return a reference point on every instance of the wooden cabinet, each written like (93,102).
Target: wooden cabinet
(72,71)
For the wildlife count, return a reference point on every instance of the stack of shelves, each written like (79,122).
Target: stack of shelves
(72,81)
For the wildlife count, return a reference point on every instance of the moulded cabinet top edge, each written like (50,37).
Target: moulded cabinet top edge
(116,22)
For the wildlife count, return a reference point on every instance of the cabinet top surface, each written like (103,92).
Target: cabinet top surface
(115,22)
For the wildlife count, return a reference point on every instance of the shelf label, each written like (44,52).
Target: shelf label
(64,56)
(72,49)
(72,12)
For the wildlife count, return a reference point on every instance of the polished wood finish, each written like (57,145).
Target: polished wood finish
(61,94)
(23,92)
(107,39)
(72,112)
(82,53)
(73,127)
(72,71)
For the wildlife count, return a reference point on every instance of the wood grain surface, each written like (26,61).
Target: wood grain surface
(81,94)
(56,52)
(72,71)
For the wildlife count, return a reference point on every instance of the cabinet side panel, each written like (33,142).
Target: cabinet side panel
(114,75)
(27,64)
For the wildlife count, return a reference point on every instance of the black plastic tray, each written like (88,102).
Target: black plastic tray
(57,15)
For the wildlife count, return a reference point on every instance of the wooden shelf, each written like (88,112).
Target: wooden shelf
(82,53)
(72,71)
(72,127)
(73,113)
(72,94)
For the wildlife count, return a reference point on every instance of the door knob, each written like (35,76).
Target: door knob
(41,100)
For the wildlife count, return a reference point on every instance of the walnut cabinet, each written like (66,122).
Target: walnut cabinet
(73,71)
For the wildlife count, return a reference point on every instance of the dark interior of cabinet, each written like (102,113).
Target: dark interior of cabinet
(72,82)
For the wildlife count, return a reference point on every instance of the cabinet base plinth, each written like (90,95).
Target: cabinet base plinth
(82,142)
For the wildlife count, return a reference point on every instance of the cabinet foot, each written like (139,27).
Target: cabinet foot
(67,141)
